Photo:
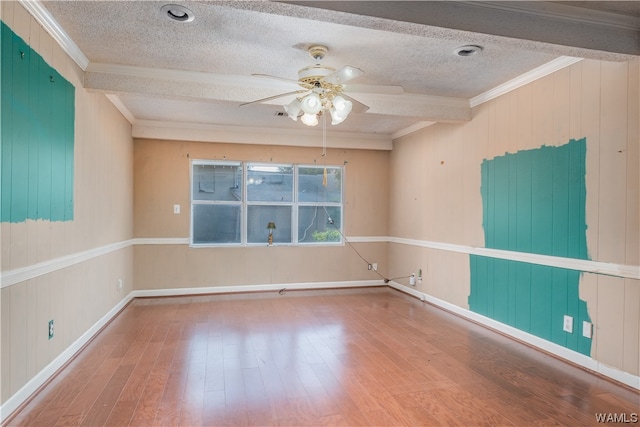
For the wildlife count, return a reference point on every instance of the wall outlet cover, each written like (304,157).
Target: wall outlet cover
(587,329)
(568,324)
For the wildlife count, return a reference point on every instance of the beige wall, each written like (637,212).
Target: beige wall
(426,189)
(162,179)
(592,99)
(75,297)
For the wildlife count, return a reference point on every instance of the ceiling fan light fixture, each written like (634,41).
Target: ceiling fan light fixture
(340,110)
(342,105)
(177,12)
(311,104)
(293,109)
(336,116)
(309,119)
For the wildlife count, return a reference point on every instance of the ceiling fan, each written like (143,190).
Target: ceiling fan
(323,91)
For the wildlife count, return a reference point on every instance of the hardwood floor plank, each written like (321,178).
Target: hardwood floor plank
(312,358)
(104,404)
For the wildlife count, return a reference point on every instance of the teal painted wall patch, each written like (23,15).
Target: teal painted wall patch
(534,201)
(37,136)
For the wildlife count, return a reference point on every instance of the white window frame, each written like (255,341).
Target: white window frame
(291,204)
(322,204)
(244,203)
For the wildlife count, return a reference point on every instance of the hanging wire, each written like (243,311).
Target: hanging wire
(324,149)
(331,221)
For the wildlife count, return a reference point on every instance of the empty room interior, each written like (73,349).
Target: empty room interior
(320,213)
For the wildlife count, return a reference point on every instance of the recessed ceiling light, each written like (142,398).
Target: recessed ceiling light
(177,12)
(468,50)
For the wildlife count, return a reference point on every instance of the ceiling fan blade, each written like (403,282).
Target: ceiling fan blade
(375,89)
(357,106)
(269,98)
(344,74)
(277,78)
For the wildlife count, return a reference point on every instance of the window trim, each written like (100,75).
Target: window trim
(196,162)
(244,203)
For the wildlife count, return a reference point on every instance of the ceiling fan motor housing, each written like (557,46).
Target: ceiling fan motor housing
(314,73)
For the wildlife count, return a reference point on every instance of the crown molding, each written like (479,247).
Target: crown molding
(117,102)
(524,79)
(565,12)
(202,132)
(51,26)
(410,129)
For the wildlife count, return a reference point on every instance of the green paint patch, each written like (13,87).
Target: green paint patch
(37,135)
(534,201)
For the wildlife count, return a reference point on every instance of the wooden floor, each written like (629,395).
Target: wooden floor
(348,357)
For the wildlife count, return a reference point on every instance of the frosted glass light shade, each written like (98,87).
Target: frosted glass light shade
(340,110)
(342,105)
(311,103)
(309,119)
(293,109)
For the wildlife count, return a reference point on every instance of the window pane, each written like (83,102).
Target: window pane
(311,188)
(273,183)
(314,226)
(216,223)
(217,182)
(259,216)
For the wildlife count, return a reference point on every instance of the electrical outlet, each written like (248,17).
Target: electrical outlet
(119,285)
(51,329)
(370,267)
(176,209)
(375,266)
(587,329)
(567,326)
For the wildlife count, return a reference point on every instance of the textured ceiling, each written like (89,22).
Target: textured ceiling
(201,71)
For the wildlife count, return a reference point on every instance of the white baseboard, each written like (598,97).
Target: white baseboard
(547,346)
(45,374)
(255,288)
(48,371)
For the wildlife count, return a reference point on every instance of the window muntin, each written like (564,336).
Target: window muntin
(232,203)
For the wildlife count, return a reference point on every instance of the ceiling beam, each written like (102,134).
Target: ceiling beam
(199,86)
(541,25)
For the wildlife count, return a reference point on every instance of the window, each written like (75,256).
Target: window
(232,203)
(319,204)
(216,207)
(269,199)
